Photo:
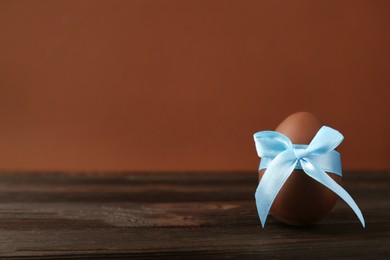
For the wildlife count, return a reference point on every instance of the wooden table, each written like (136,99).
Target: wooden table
(177,215)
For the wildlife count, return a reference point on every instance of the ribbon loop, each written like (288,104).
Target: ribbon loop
(326,140)
(270,143)
(281,157)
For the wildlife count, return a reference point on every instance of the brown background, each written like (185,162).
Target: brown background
(183,85)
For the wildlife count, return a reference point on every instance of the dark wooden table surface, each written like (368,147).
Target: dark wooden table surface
(177,215)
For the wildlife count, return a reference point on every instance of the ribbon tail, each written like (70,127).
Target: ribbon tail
(322,177)
(272,181)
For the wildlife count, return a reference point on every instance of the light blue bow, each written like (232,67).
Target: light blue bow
(280,157)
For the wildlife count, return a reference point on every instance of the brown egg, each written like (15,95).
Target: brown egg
(302,200)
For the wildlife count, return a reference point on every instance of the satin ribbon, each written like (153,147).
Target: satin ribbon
(280,157)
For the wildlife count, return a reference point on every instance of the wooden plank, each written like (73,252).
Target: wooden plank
(176,215)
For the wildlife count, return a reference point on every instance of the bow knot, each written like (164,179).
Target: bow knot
(300,153)
(280,157)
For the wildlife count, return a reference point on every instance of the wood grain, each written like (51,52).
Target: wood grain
(177,215)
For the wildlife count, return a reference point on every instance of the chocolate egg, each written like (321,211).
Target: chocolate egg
(302,200)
